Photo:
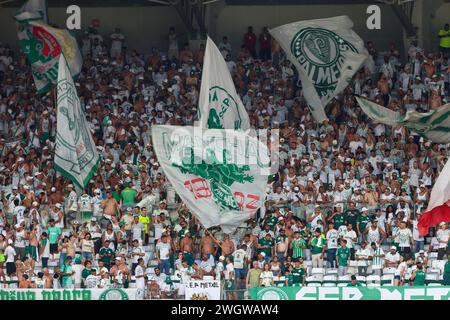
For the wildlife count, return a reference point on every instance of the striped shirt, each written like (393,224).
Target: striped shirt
(378,261)
(297,251)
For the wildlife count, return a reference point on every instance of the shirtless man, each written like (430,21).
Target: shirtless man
(435,101)
(110,206)
(207,245)
(187,247)
(55,197)
(34,243)
(282,243)
(227,246)
(121,273)
(24,282)
(48,279)
(383,87)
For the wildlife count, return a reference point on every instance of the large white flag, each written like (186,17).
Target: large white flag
(36,7)
(327,53)
(76,155)
(220,107)
(221,175)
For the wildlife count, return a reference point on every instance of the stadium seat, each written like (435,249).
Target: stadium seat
(373,280)
(318,271)
(330,271)
(361,279)
(314,279)
(327,279)
(432,255)
(389,270)
(208,278)
(329,284)
(439,264)
(387,279)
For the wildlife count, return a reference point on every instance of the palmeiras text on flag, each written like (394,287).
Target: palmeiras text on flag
(221,175)
(326,53)
(76,155)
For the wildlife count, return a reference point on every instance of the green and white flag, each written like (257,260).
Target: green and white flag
(221,175)
(76,155)
(220,107)
(327,53)
(43,45)
(433,125)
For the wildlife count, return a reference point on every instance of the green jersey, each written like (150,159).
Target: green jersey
(343,254)
(86,272)
(317,245)
(297,250)
(116,195)
(352,217)
(290,279)
(298,274)
(106,259)
(338,220)
(419,280)
(53,234)
(363,220)
(128,196)
(66,268)
(356,284)
(272,221)
(269,243)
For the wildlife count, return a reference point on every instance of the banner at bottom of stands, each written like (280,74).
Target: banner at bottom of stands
(350,293)
(203,290)
(71,294)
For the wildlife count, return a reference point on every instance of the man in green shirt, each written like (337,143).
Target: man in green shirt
(362,221)
(342,257)
(145,220)
(338,217)
(418,275)
(298,274)
(106,254)
(447,272)
(317,249)
(54,234)
(128,196)
(353,282)
(87,271)
(266,245)
(66,272)
(270,219)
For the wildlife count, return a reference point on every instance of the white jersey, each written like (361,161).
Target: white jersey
(404,236)
(85,202)
(73,201)
(19,212)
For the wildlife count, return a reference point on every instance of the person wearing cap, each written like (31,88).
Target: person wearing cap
(418,275)
(442,236)
(392,258)
(66,272)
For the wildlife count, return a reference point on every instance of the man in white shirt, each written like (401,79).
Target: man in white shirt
(163,254)
(392,258)
(377,257)
(362,256)
(332,237)
(240,262)
(405,239)
(442,236)
(139,274)
(72,205)
(117,40)
(401,272)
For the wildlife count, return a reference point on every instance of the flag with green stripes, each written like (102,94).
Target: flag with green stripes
(433,125)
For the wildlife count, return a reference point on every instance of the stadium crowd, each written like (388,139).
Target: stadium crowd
(347,197)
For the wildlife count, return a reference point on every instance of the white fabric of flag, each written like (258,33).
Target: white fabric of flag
(76,155)
(220,107)
(326,53)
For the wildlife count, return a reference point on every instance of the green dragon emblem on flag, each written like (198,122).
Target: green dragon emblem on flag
(221,105)
(221,176)
(321,54)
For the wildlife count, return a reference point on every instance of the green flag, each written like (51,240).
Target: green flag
(433,125)
(76,156)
